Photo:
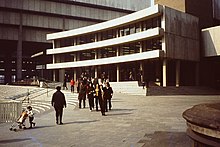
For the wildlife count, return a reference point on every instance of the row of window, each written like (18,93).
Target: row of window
(13,70)
(109,34)
(13,62)
(131,48)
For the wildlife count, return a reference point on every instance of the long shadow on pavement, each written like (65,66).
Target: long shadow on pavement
(112,114)
(166,139)
(79,122)
(14,140)
(122,110)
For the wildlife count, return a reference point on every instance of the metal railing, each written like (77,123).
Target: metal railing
(9,110)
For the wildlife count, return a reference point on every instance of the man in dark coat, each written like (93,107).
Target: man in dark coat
(82,95)
(58,102)
(107,96)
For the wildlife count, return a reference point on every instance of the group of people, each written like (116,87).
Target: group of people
(98,93)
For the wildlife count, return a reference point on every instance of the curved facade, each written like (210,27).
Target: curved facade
(151,45)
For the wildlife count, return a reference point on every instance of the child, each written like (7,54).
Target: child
(31,116)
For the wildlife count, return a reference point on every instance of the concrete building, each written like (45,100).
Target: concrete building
(25,23)
(155,44)
(208,12)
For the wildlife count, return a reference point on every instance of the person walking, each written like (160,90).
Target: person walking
(90,96)
(82,95)
(64,84)
(107,96)
(58,102)
(72,83)
(99,99)
(98,95)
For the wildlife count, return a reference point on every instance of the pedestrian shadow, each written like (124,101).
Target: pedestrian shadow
(38,127)
(165,139)
(13,140)
(114,114)
(80,122)
(119,112)
(122,110)
(117,101)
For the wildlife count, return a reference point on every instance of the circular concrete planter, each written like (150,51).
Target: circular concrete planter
(203,124)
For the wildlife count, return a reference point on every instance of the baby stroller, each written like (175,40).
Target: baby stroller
(20,121)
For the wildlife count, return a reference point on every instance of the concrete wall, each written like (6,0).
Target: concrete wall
(181,35)
(122,4)
(175,4)
(61,9)
(40,17)
(211,42)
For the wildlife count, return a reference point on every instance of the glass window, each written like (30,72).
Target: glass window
(2,78)
(87,55)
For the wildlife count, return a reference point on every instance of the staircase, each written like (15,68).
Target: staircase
(128,87)
(132,88)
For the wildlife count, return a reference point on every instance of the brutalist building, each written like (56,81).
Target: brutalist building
(25,23)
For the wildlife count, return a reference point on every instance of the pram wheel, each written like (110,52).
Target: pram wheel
(15,130)
(10,129)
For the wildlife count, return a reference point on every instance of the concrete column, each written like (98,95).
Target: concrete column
(164,73)
(61,75)
(197,74)
(8,67)
(141,47)
(158,73)
(96,72)
(117,54)
(118,74)
(142,72)
(74,69)
(19,50)
(54,72)
(96,57)
(177,73)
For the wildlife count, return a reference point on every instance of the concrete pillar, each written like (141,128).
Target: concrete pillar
(74,69)
(54,72)
(158,73)
(141,47)
(19,50)
(164,73)
(141,70)
(177,73)
(96,72)
(8,67)
(61,75)
(117,54)
(197,74)
(118,74)
(96,57)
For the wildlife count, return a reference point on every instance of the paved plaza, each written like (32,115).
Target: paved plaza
(134,121)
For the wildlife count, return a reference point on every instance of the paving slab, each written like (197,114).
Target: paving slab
(134,121)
